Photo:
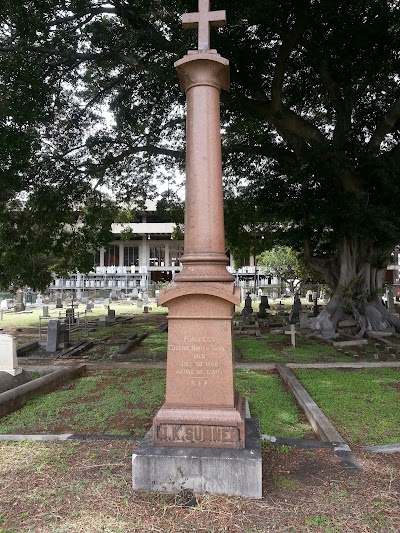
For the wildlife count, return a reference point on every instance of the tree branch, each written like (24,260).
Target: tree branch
(288,44)
(285,120)
(386,124)
(272,152)
(93,12)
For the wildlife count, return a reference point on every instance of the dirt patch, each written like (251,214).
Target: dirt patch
(86,486)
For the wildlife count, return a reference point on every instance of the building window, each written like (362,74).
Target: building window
(111,255)
(157,255)
(131,255)
(175,254)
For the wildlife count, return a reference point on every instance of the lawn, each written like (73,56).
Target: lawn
(124,402)
(362,404)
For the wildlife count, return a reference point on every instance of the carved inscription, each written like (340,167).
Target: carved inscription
(182,433)
(198,366)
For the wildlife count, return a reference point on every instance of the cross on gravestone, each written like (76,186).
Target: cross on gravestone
(292,334)
(203,20)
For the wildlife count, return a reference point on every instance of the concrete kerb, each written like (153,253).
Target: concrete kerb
(320,423)
(16,398)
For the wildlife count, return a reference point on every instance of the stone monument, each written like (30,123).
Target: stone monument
(199,437)
(8,355)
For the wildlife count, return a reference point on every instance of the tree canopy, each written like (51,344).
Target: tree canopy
(310,126)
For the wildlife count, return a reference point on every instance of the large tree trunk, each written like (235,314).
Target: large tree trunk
(357,289)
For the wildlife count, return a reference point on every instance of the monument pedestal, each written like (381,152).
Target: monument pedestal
(201,406)
(234,472)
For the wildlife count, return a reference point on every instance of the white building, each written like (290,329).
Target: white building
(143,253)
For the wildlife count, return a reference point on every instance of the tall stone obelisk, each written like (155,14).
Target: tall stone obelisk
(201,407)
(199,438)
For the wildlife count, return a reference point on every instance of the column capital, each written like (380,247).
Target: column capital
(200,68)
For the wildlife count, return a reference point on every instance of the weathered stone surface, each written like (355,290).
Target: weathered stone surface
(235,472)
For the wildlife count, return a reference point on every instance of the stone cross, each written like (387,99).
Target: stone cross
(292,334)
(203,20)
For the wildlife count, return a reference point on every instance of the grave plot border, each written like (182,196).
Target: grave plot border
(15,399)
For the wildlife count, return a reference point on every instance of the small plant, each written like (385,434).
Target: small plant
(286,483)
(317,521)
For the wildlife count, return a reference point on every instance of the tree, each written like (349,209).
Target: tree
(284,263)
(310,127)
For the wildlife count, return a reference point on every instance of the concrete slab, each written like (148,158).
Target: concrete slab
(235,472)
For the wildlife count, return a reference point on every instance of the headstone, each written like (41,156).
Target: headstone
(19,301)
(145,298)
(102,321)
(39,301)
(264,305)
(248,302)
(146,309)
(70,315)
(45,311)
(246,316)
(139,302)
(111,314)
(63,335)
(53,335)
(315,311)
(4,304)
(59,304)
(294,315)
(309,296)
(8,355)
(390,301)
(134,293)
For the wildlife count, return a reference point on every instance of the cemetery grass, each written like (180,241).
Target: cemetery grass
(277,348)
(85,487)
(363,404)
(123,402)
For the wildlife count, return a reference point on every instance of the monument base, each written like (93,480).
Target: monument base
(201,428)
(12,371)
(235,472)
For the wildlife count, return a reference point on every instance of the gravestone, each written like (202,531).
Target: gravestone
(309,296)
(134,293)
(4,304)
(315,311)
(8,355)
(201,425)
(111,314)
(53,335)
(59,304)
(45,311)
(39,300)
(146,309)
(70,315)
(247,310)
(19,301)
(139,302)
(294,315)
(390,301)
(63,335)
(264,305)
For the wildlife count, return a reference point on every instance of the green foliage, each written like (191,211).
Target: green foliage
(310,127)
(284,263)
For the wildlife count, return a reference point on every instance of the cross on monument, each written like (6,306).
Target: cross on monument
(203,20)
